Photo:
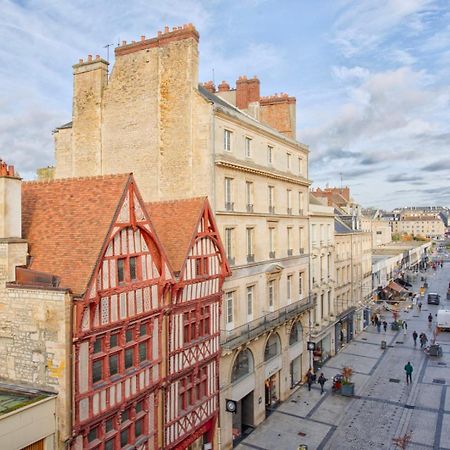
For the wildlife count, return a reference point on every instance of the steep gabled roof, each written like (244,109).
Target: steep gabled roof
(175,224)
(66,223)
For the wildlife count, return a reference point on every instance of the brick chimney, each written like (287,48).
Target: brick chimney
(278,111)
(247,91)
(13,250)
(209,86)
(224,87)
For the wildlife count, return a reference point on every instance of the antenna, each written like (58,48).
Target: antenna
(107,50)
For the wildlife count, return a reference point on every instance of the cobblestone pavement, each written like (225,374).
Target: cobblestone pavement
(384,405)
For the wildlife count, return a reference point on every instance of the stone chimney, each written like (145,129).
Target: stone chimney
(13,250)
(10,203)
(247,91)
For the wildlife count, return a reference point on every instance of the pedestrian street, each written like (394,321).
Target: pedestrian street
(384,406)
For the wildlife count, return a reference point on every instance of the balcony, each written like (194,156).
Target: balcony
(231,260)
(301,251)
(229,206)
(251,258)
(249,207)
(231,339)
(271,209)
(289,211)
(272,255)
(290,251)
(300,212)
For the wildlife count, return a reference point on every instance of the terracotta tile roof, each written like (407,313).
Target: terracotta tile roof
(66,223)
(175,224)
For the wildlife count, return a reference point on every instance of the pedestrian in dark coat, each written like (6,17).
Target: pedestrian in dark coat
(384,325)
(309,378)
(321,380)
(378,326)
(409,370)
(415,337)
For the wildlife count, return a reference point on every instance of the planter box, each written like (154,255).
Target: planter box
(348,389)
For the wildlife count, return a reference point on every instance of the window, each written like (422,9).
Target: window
(143,352)
(189,323)
(227,140)
(229,242)
(271,287)
(289,287)
(228,194)
(129,335)
(109,445)
(271,199)
(300,240)
(193,388)
(204,321)
(109,425)
(133,270)
(250,300)
(272,242)
(98,345)
(296,333)
(300,284)
(201,267)
(113,340)
(243,365)
(289,201)
(113,364)
(97,370)
(92,435)
(249,232)
(273,347)
(139,427)
(129,357)
(249,195)
(229,303)
(124,437)
(321,306)
(269,154)
(248,148)
(300,203)
(121,270)
(300,166)
(289,240)
(288,161)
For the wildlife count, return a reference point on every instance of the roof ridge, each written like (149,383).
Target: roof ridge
(202,197)
(66,180)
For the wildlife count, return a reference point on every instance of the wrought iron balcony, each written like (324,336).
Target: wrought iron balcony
(231,339)
(251,258)
(229,206)
(290,251)
(249,207)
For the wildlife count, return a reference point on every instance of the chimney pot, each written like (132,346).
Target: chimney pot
(159,33)
(142,38)
(89,58)
(80,61)
(97,57)
(166,29)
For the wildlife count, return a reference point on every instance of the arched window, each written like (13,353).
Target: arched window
(296,334)
(243,365)
(273,347)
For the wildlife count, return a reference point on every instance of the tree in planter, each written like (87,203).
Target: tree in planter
(348,387)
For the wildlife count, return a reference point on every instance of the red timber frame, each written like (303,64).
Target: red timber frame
(192,389)
(117,337)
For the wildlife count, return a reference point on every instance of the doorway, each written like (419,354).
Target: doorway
(243,418)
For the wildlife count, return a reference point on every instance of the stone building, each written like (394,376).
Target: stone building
(426,226)
(372,222)
(322,323)
(181,139)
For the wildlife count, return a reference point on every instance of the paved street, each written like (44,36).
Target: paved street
(384,406)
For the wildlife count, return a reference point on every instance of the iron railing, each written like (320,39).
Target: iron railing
(231,339)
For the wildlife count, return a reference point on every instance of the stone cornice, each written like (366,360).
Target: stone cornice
(246,167)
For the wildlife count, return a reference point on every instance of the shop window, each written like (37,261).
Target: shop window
(243,365)
(273,347)
(296,333)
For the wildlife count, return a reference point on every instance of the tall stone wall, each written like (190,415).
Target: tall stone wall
(35,347)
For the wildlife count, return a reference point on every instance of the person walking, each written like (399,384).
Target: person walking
(321,380)
(423,340)
(309,378)
(419,306)
(430,320)
(378,326)
(409,370)
(384,326)
(415,337)
(405,327)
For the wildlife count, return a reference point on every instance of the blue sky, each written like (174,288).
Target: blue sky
(371,78)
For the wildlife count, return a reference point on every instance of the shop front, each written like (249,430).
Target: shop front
(344,329)
(322,351)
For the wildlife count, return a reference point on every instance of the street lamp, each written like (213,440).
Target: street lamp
(311,346)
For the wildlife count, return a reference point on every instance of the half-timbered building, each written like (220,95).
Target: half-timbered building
(198,260)
(145,282)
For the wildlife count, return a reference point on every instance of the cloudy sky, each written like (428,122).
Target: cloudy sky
(371,78)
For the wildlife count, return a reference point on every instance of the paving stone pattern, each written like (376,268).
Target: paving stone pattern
(383,407)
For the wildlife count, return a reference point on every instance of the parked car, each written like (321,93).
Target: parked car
(433,298)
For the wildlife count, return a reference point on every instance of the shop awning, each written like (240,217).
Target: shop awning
(396,287)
